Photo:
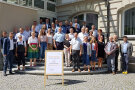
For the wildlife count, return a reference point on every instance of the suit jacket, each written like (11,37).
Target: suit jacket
(6,46)
(2,41)
(48,26)
(129,49)
(88,49)
(112,49)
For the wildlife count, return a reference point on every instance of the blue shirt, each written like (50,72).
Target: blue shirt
(109,46)
(125,45)
(59,37)
(63,29)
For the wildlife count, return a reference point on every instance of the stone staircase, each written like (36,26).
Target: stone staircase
(131,66)
(39,70)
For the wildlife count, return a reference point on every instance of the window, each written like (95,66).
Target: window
(12,1)
(53,0)
(50,7)
(26,2)
(90,18)
(39,4)
(129,22)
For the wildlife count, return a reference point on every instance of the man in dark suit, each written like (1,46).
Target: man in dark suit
(8,51)
(66,26)
(48,25)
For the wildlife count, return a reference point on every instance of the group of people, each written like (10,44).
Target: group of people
(80,45)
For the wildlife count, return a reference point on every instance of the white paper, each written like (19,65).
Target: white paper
(54,62)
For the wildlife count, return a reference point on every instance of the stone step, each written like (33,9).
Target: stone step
(41,72)
(65,68)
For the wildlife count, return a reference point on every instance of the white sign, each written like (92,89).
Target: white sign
(54,62)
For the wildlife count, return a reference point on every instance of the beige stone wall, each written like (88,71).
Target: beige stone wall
(11,16)
(117,8)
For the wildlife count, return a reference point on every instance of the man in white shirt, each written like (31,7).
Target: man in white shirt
(95,32)
(76,51)
(71,34)
(82,34)
(20,33)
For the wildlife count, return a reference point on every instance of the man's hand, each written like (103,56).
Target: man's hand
(16,54)
(55,46)
(80,53)
(25,54)
(39,45)
(5,55)
(70,53)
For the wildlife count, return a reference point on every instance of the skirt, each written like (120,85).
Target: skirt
(32,53)
(93,56)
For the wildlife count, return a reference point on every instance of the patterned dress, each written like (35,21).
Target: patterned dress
(34,43)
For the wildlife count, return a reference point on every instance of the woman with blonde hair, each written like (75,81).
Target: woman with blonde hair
(50,40)
(42,38)
(94,48)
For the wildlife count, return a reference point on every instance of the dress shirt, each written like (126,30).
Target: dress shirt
(71,36)
(22,34)
(78,26)
(109,46)
(125,45)
(26,34)
(63,29)
(76,42)
(82,35)
(11,44)
(95,33)
(59,37)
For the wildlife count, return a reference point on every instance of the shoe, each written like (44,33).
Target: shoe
(85,69)
(113,73)
(10,72)
(123,72)
(4,74)
(126,72)
(73,70)
(79,70)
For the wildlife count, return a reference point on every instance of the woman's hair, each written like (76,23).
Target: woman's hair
(93,40)
(99,30)
(33,27)
(44,27)
(42,32)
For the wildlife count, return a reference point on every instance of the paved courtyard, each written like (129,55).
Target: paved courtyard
(72,82)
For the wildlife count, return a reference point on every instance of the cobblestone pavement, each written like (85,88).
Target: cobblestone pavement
(72,82)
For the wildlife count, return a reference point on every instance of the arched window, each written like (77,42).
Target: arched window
(90,18)
(129,22)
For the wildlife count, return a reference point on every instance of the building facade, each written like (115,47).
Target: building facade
(21,13)
(121,14)
(45,8)
(118,18)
